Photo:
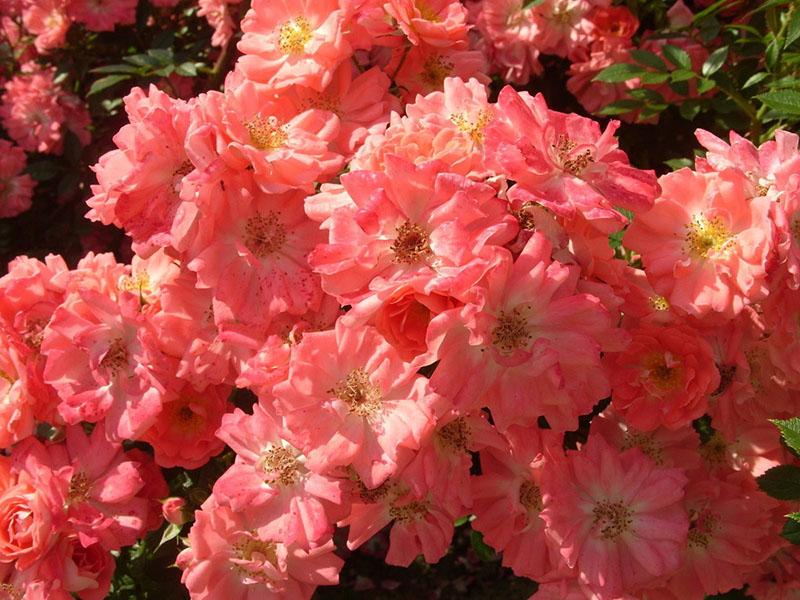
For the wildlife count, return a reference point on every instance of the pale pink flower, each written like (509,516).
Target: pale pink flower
(183,435)
(615,517)
(663,377)
(103,15)
(293,42)
(565,26)
(564,161)
(733,526)
(530,349)
(439,23)
(16,187)
(48,21)
(229,556)
(706,244)
(360,406)
(408,221)
(139,184)
(271,483)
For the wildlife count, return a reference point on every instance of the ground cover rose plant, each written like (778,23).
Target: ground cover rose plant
(354,295)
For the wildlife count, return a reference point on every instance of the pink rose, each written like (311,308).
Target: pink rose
(26,526)
(174,510)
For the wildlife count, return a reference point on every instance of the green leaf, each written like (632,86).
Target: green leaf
(531,4)
(620,107)
(187,69)
(786,102)
(704,85)
(170,533)
(619,73)
(679,87)
(715,61)
(781,482)
(795,516)
(754,79)
(790,431)
(793,28)
(772,54)
(653,77)
(106,82)
(120,68)
(707,12)
(484,552)
(682,75)
(791,531)
(162,55)
(677,56)
(461,521)
(648,59)
(646,94)
(690,109)
(678,163)
(141,60)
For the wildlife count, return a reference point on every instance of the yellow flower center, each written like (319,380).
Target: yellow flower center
(702,527)
(572,164)
(664,377)
(708,238)
(264,234)
(530,496)
(427,12)
(645,443)
(472,129)
(280,466)
(511,332)
(294,35)
(659,303)
(116,357)
(408,512)
(79,487)
(612,519)
(435,69)
(455,436)
(266,134)
(411,244)
(356,390)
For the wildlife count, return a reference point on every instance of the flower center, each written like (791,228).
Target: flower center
(511,332)
(715,450)
(135,283)
(704,237)
(455,436)
(574,164)
(411,244)
(645,443)
(795,227)
(255,553)
(280,466)
(10,592)
(264,234)
(408,512)
(530,496)
(435,69)
(702,527)
(266,134)
(427,12)
(79,487)
(472,129)
(612,519)
(363,398)
(658,303)
(664,376)
(294,35)
(116,357)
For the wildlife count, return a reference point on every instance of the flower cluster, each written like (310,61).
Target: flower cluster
(417,285)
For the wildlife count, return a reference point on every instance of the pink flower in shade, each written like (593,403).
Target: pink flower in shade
(361,101)
(48,21)
(753,449)
(663,377)
(409,221)
(99,486)
(565,26)
(218,15)
(16,187)
(154,489)
(174,510)
(293,42)
(250,126)
(29,523)
(706,244)
(439,23)
(419,524)
(531,349)
(507,500)
(360,406)
(97,361)
(615,517)
(183,435)
(28,584)
(613,25)
(103,15)
(425,68)
(783,343)
(75,568)
(270,482)
(564,161)
(732,528)
(229,556)
(139,183)
(777,578)
(595,95)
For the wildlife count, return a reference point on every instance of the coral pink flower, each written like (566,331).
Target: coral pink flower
(532,349)
(360,406)
(615,517)
(16,187)
(174,510)
(733,526)
(28,524)
(419,524)
(48,21)
(16,405)
(595,95)
(103,15)
(98,363)
(250,126)
(409,221)
(664,377)
(564,160)
(439,23)
(508,500)
(184,433)
(613,25)
(229,556)
(270,482)
(82,570)
(139,184)
(293,42)
(565,26)
(705,244)
(218,15)
(425,68)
